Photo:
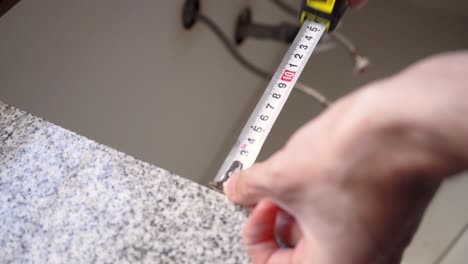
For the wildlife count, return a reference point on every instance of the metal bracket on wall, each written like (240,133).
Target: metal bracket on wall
(245,27)
(190,13)
(6,5)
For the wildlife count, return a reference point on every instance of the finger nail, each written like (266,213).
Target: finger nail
(230,186)
(358,4)
(361,4)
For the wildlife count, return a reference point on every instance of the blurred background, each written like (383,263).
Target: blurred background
(128,75)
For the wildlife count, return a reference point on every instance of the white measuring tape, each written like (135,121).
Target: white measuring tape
(250,142)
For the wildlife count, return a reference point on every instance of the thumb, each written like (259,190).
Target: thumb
(249,186)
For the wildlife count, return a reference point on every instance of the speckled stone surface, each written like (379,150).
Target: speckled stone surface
(67,199)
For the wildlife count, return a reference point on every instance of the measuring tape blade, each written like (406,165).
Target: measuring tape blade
(248,145)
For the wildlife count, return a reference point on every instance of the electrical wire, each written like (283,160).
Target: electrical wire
(452,244)
(320,98)
(323,101)
(231,48)
(361,63)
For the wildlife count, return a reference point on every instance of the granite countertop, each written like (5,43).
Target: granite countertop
(67,199)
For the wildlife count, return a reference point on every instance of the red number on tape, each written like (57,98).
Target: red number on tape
(288,75)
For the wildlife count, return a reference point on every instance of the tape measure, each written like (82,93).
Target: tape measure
(248,146)
(317,16)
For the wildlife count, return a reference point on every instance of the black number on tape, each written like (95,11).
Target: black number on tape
(313,29)
(282,85)
(256,128)
(264,117)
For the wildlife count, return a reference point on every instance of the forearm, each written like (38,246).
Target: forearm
(429,102)
(446,115)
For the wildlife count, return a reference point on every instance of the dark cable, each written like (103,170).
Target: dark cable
(253,68)
(452,244)
(286,7)
(231,48)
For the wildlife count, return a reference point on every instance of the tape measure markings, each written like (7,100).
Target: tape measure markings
(248,146)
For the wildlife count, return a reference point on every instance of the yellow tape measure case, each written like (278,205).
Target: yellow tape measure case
(328,12)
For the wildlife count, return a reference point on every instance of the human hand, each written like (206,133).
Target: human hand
(357,179)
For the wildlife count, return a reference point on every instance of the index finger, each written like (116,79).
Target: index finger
(259,235)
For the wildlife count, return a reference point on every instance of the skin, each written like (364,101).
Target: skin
(352,185)
(357,3)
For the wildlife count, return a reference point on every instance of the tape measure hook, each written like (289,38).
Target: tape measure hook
(235,167)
